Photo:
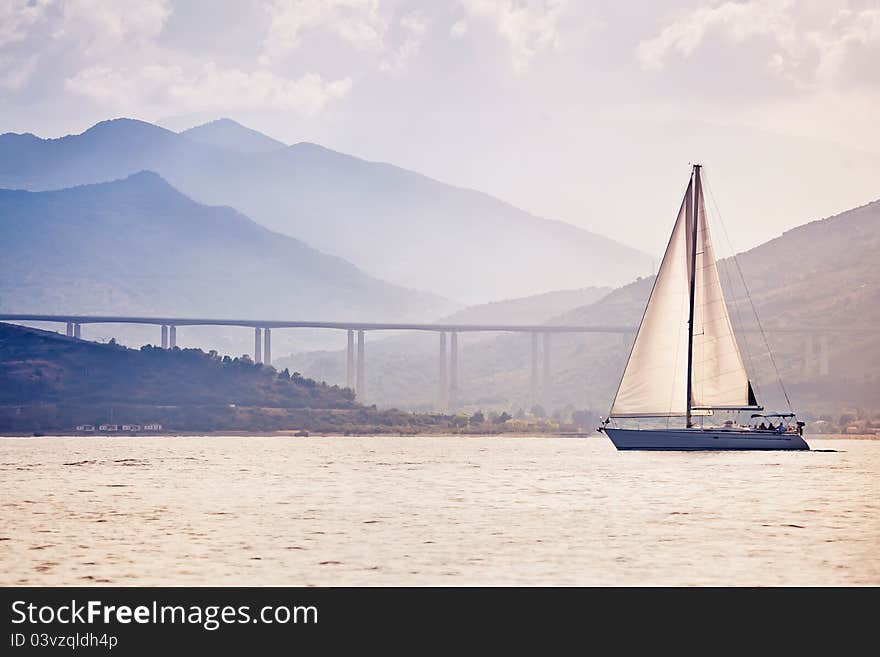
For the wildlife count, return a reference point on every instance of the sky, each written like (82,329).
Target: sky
(589,112)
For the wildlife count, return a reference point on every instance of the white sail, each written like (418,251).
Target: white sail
(654,381)
(718,374)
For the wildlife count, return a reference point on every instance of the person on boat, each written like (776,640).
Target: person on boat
(762,426)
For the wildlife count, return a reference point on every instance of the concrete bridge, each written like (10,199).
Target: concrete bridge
(447,384)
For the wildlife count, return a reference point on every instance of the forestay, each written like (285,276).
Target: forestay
(654,383)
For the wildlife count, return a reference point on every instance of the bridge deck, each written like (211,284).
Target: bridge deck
(355,326)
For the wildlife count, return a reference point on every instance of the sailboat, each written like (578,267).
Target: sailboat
(685,363)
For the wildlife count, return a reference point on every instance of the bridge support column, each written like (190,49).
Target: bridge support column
(172,336)
(77,331)
(360,389)
(453,371)
(545,374)
(69,329)
(258,346)
(442,378)
(809,354)
(349,361)
(823,355)
(267,346)
(164,336)
(533,380)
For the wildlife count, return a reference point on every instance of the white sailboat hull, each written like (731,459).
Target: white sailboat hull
(702,439)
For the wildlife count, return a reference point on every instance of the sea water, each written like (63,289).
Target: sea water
(433,511)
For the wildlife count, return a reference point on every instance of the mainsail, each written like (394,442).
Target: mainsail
(655,381)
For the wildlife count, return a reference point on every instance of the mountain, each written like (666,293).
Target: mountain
(39,367)
(231,135)
(396,224)
(54,383)
(534,309)
(139,247)
(50,382)
(822,275)
(402,368)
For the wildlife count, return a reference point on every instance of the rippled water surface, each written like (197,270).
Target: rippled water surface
(432,510)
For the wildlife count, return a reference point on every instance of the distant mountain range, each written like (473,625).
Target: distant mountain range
(533,309)
(233,136)
(396,224)
(402,368)
(139,246)
(822,275)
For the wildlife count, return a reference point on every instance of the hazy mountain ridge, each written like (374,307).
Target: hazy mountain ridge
(396,224)
(231,135)
(403,367)
(138,246)
(821,275)
(534,309)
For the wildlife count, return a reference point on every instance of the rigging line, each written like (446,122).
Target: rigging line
(645,312)
(752,304)
(736,304)
(730,284)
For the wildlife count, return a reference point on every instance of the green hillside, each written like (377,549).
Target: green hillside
(50,382)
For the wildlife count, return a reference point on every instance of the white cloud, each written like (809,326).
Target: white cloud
(100,26)
(111,53)
(15,72)
(739,21)
(528,26)
(17,17)
(204,86)
(359,23)
(414,25)
(810,49)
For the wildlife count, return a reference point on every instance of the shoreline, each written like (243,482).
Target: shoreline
(290,433)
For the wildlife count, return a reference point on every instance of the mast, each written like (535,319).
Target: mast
(695,213)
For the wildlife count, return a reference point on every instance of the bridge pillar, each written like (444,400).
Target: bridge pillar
(823,354)
(809,354)
(545,374)
(77,331)
(69,329)
(453,371)
(442,378)
(172,336)
(258,347)
(360,389)
(349,361)
(533,380)
(267,346)
(164,336)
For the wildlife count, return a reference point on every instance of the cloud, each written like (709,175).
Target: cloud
(112,54)
(528,26)
(99,26)
(738,21)
(360,23)
(829,46)
(204,86)
(17,17)
(415,26)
